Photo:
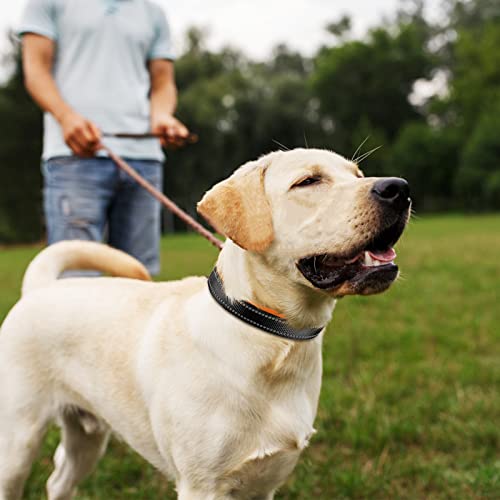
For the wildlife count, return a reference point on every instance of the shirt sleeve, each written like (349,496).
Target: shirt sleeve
(39,17)
(161,46)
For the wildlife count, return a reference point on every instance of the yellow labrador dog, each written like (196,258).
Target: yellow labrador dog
(217,386)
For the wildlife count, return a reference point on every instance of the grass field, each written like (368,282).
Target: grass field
(410,403)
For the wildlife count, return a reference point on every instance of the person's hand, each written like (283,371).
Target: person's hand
(80,134)
(171,131)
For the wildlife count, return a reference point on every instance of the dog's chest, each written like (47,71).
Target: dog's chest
(271,446)
(270,456)
(239,417)
(250,443)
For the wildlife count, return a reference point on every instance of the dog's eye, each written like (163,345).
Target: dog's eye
(308,181)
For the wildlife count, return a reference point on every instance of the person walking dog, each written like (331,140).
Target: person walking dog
(93,66)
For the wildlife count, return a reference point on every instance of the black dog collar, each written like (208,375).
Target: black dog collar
(254,316)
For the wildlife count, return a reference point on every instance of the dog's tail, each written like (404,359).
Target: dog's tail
(49,264)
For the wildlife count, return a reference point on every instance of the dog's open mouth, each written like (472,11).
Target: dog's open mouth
(369,269)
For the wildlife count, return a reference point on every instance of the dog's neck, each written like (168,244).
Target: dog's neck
(247,276)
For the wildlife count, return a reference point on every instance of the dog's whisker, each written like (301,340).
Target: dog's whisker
(366,155)
(305,140)
(361,157)
(359,148)
(284,148)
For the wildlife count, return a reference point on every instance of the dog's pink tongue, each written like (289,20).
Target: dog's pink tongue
(383,256)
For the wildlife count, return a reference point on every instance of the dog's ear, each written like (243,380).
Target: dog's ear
(238,208)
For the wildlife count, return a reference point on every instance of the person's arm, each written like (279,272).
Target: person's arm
(80,134)
(163,103)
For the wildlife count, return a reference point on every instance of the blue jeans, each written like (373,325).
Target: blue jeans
(92,199)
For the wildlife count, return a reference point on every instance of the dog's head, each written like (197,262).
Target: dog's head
(314,217)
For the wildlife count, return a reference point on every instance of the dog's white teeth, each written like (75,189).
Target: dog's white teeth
(369,261)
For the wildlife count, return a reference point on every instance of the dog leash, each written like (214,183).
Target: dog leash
(190,139)
(164,200)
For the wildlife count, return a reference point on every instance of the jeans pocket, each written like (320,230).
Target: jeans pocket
(48,166)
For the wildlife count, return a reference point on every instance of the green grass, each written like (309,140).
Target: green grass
(410,403)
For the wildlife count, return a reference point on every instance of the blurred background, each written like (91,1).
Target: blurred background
(421,79)
(410,403)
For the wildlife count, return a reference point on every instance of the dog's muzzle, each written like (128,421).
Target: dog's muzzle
(368,267)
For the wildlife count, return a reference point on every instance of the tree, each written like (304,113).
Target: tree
(427,157)
(20,148)
(472,14)
(477,181)
(370,80)
(340,28)
(475,81)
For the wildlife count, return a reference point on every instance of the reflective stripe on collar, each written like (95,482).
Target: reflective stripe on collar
(259,318)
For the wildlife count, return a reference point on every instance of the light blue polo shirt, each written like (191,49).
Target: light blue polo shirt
(100,66)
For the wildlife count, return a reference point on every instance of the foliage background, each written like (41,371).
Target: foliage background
(447,143)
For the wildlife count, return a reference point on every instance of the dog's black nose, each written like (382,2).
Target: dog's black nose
(392,191)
